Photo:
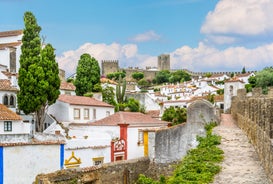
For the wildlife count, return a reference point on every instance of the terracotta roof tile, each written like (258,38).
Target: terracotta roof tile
(131,118)
(243,75)
(153,113)
(5,85)
(11,33)
(82,100)
(67,86)
(105,80)
(7,114)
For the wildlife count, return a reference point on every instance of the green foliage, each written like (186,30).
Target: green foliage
(220,91)
(232,74)
(143,83)
(88,94)
(244,70)
(38,80)
(87,75)
(138,75)
(264,78)
(162,77)
(208,74)
(175,115)
(108,95)
(210,98)
(97,88)
(220,82)
(179,76)
(133,105)
(120,90)
(115,75)
(70,80)
(252,83)
(199,166)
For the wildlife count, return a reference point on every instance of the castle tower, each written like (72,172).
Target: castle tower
(163,62)
(109,66)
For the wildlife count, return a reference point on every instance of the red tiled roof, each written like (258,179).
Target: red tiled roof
(12,44)
(82,100)
(9,74)
(5,85)
(7,114)
(105,80)
(67,86)
(243,75)
(32,143)
(11,33)
(153,113)
(131,118)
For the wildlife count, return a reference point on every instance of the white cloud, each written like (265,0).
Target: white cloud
(144,37)
(201,58)
(239,17)
(126,54)
(206,58)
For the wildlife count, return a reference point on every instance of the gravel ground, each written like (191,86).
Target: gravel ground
(241,164)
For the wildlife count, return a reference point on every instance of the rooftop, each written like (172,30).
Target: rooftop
(7,114)
(82,100)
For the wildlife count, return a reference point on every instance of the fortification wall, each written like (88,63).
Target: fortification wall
(120,172)
(254,115)
(109,66)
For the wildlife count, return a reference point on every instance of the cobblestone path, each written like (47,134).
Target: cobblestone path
(241,164)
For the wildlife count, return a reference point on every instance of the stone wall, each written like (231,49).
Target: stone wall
(254,115)
(121,172)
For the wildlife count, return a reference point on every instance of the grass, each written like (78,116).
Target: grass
(199,166)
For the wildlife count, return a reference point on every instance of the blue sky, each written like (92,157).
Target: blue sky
(200,35)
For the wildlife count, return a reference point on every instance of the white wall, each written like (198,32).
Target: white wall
(18,127)
(23,163)
(60,111)
(134,150)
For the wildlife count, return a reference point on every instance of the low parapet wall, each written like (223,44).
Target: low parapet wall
(254,115)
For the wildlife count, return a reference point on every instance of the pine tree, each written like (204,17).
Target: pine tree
(38,80)
(87,75)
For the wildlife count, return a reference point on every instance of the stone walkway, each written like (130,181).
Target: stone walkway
(241,164)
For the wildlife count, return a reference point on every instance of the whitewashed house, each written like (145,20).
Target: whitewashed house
(11,123)
(8,92)
(245,76)
(79,109)
(67,88)
(10,49)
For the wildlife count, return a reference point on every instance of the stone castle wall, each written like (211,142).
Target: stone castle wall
(254,115)
(121,172)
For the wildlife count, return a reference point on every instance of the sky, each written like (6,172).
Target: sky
(199,35)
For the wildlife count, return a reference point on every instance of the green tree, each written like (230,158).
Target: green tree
(115,75)
(138,75)
(38,80)
(133,105)
(162,76)
(244,70)
(251,83)
(176,115)
(87,75)
(108,95)
(264,78)
(179,76)
(208,74)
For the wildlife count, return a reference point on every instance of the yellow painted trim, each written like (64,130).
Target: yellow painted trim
(72,162)
(145,142)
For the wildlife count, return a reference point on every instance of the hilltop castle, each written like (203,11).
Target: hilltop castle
(111,66)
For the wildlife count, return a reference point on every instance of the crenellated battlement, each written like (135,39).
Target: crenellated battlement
(253,114)
(109,61)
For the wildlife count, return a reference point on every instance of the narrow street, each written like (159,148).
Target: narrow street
(241,164)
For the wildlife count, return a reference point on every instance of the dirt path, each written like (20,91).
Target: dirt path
(241,164)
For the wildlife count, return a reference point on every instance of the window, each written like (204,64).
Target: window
(107,113)
(140,137)
(11,100)
(67,92)
(7,126)
(94,114)
(86,113)
(6,100)
(77,114)
(98,160)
